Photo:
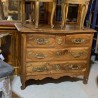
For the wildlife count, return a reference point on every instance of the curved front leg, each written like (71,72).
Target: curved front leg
(82,17)
(52,14)
(36,14)
(33,12)
(64,13)
(85,12)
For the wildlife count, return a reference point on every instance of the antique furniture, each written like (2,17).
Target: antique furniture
(8,44)
(10,12)
(36,11)
(46,52)
(83,10)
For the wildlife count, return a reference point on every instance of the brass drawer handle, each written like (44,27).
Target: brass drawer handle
(73,67)
(41,41)
(77,54)
(40,69)
(40,56)
(58,67)
(78,40)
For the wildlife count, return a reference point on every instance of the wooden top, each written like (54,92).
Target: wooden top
(41,0)
(22,28)
(76,1)
(6,25)
(5,28)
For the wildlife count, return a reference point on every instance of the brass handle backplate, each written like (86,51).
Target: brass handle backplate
(73,66)
(41,41)
(40,69)
(40,56)
(58,67)
(77,54)
(78,41)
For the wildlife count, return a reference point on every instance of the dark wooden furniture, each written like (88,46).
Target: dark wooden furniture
(10,12)
(47,52)
(9,44)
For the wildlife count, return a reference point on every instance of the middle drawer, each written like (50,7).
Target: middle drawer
(37,54)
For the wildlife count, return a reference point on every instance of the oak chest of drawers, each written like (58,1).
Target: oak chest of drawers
(54,53)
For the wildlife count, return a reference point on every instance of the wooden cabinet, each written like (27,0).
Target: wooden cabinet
(47,52)
(8,44)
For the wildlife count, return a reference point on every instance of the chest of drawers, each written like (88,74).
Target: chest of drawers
(54,53)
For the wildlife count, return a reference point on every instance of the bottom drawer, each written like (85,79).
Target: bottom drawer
(37,68)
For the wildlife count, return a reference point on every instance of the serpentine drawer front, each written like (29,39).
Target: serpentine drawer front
(54,53)
(36,40)
(37,68)
(78,40)
(38,54)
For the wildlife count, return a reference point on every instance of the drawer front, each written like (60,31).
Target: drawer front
(40,40)
(78,53)
(78,40)
(38,54)
(44,40)
(35,68)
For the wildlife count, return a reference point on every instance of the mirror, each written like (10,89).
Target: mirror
(10,10)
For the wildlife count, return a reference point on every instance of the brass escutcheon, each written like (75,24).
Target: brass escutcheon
(41,41)
(78,40)
(77,54)
(40,56)
(41,69)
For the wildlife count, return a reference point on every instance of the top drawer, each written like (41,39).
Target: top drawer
(40,40)
(78,40)
(56,40)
